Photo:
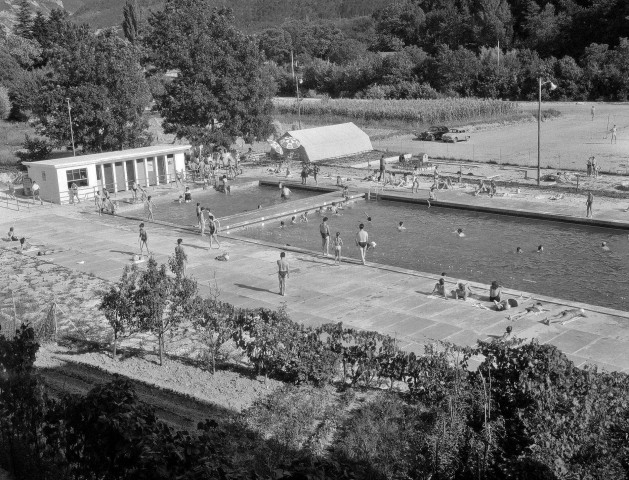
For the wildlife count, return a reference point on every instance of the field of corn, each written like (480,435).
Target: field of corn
(417,111)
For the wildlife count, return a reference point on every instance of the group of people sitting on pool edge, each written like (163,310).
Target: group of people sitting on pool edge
(463,291)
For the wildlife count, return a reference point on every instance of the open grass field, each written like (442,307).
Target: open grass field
(566,142)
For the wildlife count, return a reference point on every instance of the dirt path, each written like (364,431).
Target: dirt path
(183,412)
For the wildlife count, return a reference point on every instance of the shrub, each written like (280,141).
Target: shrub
(36,149)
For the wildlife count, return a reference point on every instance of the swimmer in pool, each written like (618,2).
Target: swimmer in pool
(459,232)
(293,220)
(540,249)
(303,218)
(282,225)
(518,250)
(401,227)
(180,199)
(604,246)
(368,217)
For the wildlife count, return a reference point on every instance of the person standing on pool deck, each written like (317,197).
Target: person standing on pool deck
(213,228)
(199,211)
(324,230)
(315,171)
(613,132)
(144,240)
(202,221)
(149,207)
(381,168)
(282,272)
(362,241)
(588,205)
(180,256)
(338,243)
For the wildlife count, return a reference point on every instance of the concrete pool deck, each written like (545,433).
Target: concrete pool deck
(389,300)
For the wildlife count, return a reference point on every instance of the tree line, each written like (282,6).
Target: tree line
(486,48)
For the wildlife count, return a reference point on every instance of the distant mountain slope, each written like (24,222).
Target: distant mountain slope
(251,15)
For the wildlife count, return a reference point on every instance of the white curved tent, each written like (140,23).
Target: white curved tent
(331,141)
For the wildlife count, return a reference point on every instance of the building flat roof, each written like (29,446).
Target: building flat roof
(106,157)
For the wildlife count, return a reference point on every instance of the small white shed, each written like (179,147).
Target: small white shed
(115,171)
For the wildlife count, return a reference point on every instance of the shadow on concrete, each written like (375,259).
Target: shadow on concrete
(256,289)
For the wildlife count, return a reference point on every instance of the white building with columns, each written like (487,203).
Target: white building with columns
(115,171)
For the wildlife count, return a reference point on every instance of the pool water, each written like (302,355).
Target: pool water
(573,265)
(241,199)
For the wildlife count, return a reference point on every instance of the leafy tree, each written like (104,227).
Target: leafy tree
(118,305)
(276,43)
(402,21)
(131,24)
(216,322)
(221,91)
(108,93)
(161,302)
(24,20)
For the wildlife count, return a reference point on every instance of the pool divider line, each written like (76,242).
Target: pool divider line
(418,273)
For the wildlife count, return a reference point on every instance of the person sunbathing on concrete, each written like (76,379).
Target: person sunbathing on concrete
(534,310)
(567,315)
(462,291)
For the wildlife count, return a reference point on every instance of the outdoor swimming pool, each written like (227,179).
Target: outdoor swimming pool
(241,199)
(573,265)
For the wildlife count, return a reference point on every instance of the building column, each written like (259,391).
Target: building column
(146,173)
(103,180)
(126,176)
(113,172)
(156,170)
(135,171)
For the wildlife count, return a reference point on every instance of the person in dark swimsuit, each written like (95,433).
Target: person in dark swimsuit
(187,196)
(362,241)
(324,230)
(282,272)
(494,292)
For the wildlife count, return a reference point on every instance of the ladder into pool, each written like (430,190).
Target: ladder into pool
(374,192)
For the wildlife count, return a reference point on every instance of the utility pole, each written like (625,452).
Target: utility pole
(71,130)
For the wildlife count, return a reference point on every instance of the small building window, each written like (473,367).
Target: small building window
(43,176)
(78,176)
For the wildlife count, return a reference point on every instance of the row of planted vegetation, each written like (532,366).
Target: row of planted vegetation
(443,110)
(525,412)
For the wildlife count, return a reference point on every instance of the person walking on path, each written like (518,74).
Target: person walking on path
(282,272)
(592,111)
(362,241)
(613,132)
(36,196)
(588,205)
(338,243)
(144,240)
(381,176)
(149,209)
(180,256)
(324,230)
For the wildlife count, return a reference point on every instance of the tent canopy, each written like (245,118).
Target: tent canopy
(331,141)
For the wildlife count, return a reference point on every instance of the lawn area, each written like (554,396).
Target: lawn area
(11,139)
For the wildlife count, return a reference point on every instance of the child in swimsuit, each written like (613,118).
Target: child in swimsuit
(338,243)
(144,240)
(187,196)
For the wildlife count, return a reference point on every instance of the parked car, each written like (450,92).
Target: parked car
(433,133)
(455,135)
